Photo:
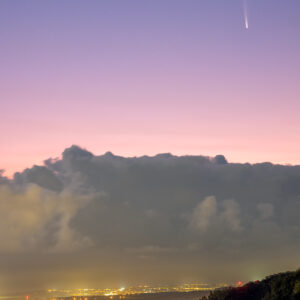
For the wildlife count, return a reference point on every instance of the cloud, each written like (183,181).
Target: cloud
(204,214)
(3,180)
(41,176)
(207,214)
(152,249)
(266,210)
(220,159)
(94,212)
(231,215)
(33,218)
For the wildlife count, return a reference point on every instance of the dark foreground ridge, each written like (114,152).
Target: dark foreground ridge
(283,286)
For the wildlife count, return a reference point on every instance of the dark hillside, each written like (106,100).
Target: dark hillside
(283,286)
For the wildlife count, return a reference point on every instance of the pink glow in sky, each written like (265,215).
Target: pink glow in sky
(164,76)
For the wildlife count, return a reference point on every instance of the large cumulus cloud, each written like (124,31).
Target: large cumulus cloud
(196,215)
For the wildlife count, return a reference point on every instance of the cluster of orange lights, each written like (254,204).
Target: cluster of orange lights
(122,292)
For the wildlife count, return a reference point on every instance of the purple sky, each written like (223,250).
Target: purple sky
(142,77)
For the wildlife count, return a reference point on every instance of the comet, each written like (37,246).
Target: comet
(246,14)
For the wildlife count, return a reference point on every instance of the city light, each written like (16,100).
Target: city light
(83,294)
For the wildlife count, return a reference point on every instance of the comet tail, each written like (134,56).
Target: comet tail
(246,14)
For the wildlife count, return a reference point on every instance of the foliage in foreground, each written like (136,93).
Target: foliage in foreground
(282,286)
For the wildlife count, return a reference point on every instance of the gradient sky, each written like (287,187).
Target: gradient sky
(142,77)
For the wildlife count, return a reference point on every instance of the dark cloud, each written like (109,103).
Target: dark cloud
(41,176)
(220,159)
(184,217)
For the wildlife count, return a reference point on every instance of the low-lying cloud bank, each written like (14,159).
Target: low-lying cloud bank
(190,210)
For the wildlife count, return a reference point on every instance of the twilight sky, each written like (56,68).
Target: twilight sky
(137,78)
(143,77)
